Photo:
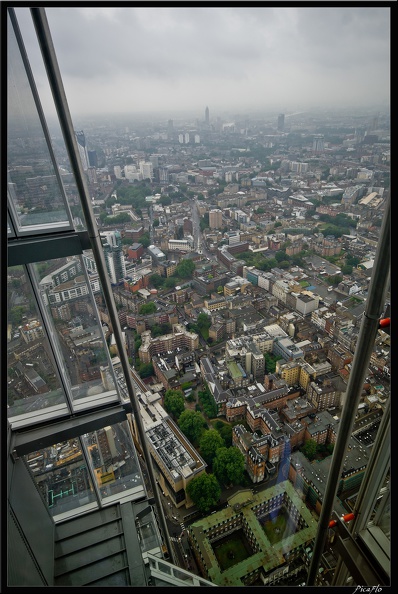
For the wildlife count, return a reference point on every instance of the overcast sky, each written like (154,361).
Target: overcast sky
(279,58)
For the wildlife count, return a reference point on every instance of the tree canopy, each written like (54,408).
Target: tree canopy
(229,465)
(192,424)
(146,370)
(147,308)
(203,321)
(209,443)
(204,491)
(309,449)
(184,269)
(174,402)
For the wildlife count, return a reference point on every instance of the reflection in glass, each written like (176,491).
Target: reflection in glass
(65,291)
(32,383)
(61,474)
(114,459)
(381,516)
(33,187)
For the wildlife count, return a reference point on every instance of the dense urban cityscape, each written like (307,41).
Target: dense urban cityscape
(197,329)
(240,253)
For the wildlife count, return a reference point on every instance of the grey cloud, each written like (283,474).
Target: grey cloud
(178,55)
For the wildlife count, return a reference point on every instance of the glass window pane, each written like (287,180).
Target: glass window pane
(382,512)
(34,191)
(62,476)
(114,459)
(77,330)
(33,384)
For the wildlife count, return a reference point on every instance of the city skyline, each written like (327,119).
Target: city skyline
(226,58)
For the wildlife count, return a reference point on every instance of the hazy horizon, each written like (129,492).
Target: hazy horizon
(147,60)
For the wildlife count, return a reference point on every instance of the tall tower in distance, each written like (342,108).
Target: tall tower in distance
(207,116)
(81,144)
(317,143)
(281,122)
(170,129)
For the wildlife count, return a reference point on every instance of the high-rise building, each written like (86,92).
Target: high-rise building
(92,158)
(114,257)
(207,115)
(117,170)
(215,218)
(170,129)
(131,173)
(317,143)
(146,170)
(82,442)
(281,122)
(83,152)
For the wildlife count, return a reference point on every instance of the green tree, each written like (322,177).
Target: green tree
(335,279)
(352,261)
(147,308)
(346,269)
(270,362)
(185,269)
(16,314)
(309,449)
(174,402)
(229,465)
(156,280)
(204,491)
(203,321)
(225,431)
(209,443)
(145,239)
(192,424)
(207,401)
(170,282)
(204,222)
(281,255)
(146,370)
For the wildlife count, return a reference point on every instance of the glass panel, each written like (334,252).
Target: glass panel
(62,476)
(32,381)
(148,535)
(10,230)
(114,459)
(34,192)
(77,330)
(382,512)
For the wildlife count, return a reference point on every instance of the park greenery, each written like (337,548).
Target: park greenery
(229,466)
(207,401)
(204,491)
(192,424)
(174,402)
(225,430)
(209,443)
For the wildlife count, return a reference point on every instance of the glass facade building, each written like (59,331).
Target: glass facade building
(83,506)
